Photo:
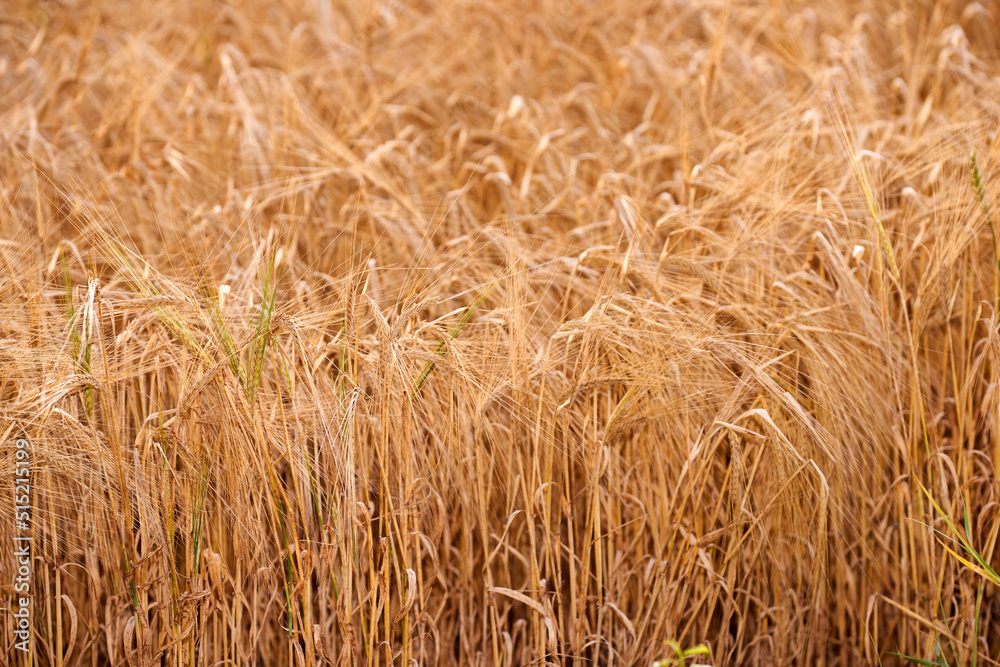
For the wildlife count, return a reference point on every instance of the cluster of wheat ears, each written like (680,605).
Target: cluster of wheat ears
(481,332)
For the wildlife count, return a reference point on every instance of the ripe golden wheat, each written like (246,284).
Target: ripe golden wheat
(483,332)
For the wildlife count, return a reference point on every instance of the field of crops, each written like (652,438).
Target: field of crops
(499,333)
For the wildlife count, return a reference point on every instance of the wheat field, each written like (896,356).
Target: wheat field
(499,333)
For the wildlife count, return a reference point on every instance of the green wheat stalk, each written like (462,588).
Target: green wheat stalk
(984,205)
(262,334)
(467,314)
(972,559)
